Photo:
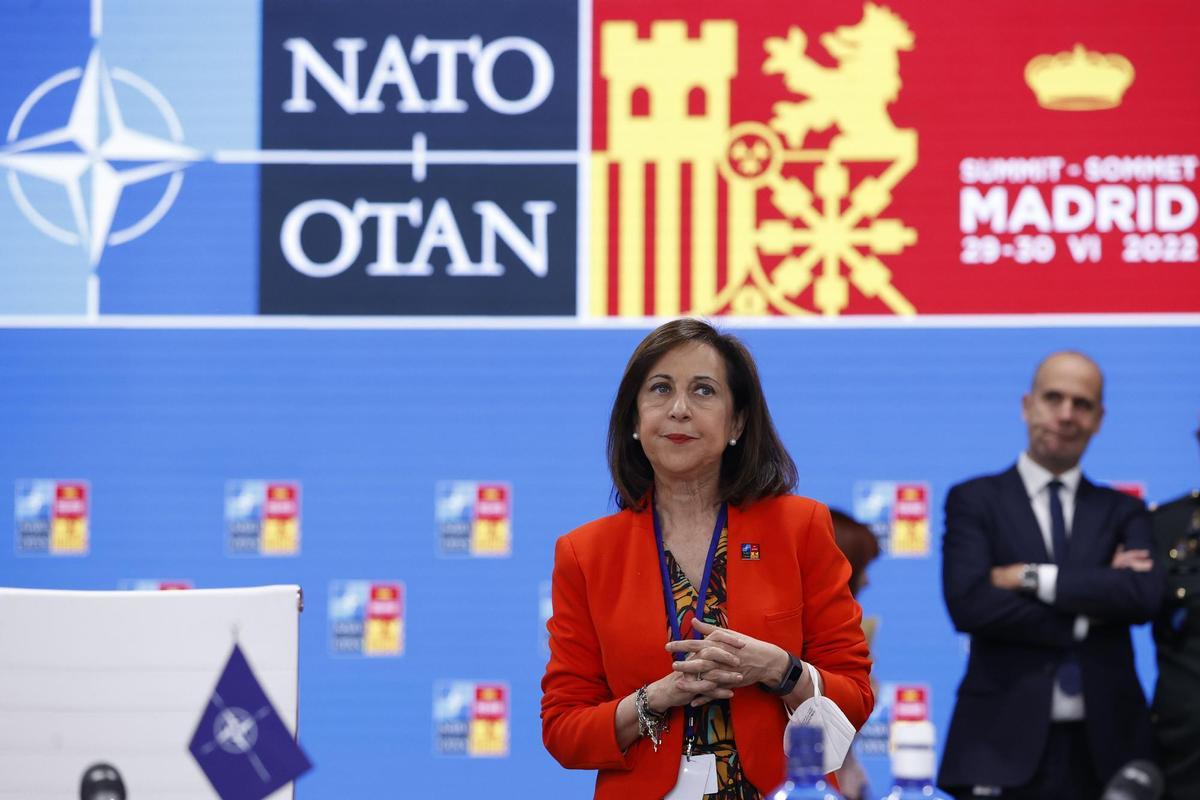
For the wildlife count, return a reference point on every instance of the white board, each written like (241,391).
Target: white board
(124,677)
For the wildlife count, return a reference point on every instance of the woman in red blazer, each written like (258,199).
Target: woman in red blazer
(635,681)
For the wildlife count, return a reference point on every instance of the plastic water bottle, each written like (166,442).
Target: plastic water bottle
(913,762)
(806,767)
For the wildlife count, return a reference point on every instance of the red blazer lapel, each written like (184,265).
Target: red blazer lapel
(736,584)
(639,608)
(750,582)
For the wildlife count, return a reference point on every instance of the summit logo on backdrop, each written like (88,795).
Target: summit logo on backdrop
(470,718)
(473,518)
(262,518)
(52,517)
(366,618)
(897,512)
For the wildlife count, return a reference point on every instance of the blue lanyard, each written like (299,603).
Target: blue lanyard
(701,596)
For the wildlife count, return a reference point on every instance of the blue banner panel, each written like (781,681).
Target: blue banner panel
(493,240)
(385,446)
(423,158)
(373,74)
(123,190)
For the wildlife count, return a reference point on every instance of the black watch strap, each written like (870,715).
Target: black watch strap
(791,677)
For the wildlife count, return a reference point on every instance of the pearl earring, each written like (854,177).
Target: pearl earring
(635,436)
(732,442)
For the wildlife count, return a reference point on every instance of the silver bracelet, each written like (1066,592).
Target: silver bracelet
(650,724)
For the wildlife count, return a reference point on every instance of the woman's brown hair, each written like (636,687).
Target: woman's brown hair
(857,543)
(757,466)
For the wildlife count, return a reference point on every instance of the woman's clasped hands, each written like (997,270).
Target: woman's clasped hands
(722,661)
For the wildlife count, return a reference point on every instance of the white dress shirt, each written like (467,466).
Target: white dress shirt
(1063,707)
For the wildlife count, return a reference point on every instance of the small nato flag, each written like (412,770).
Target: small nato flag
(241,743)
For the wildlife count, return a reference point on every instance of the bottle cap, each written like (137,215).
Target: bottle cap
(912,734)
(912,750)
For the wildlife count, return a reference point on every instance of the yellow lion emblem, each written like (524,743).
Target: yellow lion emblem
(854,95)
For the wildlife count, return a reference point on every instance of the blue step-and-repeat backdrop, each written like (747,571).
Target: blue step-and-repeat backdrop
(339,293)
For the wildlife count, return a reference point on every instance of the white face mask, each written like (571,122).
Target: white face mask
(821,711)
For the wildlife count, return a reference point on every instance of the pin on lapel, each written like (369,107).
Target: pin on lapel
(750,552)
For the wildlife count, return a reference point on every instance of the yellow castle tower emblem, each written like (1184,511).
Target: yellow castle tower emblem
(668,124)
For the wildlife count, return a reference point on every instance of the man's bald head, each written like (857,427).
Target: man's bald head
(1072,359)
(1063,409)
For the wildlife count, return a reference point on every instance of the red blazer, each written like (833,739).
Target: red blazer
(609,628)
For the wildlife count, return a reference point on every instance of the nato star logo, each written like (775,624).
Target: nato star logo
(95,156)
(245,754)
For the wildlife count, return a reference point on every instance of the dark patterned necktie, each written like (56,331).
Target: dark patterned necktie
(1068,675)
(1058,522)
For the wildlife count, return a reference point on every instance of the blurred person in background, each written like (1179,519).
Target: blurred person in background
(1046,571)
(679,622)
(1175,714)
(860,547)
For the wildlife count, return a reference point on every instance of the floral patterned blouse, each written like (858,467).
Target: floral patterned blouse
(714,723)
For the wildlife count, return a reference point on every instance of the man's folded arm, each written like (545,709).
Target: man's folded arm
(1109,594)
(975,605)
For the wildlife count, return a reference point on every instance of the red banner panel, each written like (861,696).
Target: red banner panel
(849,158)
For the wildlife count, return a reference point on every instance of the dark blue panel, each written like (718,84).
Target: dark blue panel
(494,60)
(443,210)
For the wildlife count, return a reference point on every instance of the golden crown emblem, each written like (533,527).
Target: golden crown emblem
(1079,80)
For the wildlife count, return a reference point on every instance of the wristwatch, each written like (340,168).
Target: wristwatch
(791,676)
(1029,579)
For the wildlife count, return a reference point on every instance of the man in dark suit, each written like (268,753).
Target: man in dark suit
(1176,709)
(1046,571)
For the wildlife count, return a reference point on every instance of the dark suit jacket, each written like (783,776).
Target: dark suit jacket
(1176,708)
(1002,715)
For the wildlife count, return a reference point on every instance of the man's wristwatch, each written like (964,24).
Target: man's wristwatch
(791,676)
(1029,579)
